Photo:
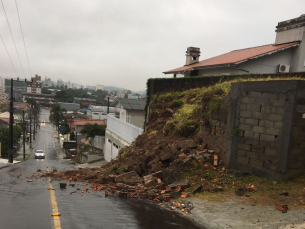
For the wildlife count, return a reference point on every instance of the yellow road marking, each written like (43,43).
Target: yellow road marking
(55,213)
(56,218)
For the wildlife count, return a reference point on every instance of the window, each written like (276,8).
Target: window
(109,141)
(194,58)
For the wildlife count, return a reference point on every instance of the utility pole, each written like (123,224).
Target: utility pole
(23,122)
(11,140)
(108,106)
(11,136)
(34,124)
(76,141)
(30,128)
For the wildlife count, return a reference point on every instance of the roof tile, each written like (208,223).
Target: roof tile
(235,56)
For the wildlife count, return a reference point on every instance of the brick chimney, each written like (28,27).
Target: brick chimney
(192,55)
(290,30)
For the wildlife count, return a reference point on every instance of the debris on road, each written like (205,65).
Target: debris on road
(282,207)
(62,185)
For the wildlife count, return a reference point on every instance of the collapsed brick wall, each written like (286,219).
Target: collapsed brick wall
(218,123)
(266,131)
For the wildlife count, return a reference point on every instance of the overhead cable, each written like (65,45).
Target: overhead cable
(23,39)
(9,56)
(12,38)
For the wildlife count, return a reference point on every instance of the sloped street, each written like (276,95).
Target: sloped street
(27,200)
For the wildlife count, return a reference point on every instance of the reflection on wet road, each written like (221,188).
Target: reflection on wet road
(29,204)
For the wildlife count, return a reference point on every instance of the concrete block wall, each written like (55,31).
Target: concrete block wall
(297,150)
(265,133)
(259,129)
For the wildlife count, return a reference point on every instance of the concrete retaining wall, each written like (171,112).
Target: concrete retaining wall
(266,128)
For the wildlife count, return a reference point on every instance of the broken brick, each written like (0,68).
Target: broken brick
(241,191)
(182,156)
(122,194)
(157,200)
(166,198)
(62,185)
(143,195)
(203,145)
(215,160)
(184,195)
(282,207)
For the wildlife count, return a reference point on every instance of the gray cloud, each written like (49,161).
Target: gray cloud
(125,42)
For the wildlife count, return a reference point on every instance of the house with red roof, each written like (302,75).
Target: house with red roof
(286,54)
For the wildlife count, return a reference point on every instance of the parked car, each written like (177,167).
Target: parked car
(39,154)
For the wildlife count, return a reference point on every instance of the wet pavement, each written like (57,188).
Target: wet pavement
(30,204)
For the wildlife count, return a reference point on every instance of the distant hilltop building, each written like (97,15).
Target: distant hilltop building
(34,86)
(99,87)
(47,82)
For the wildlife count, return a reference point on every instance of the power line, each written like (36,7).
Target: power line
(9,55)
(12,37)
(23,39)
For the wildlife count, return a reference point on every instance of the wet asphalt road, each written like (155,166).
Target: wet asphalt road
(29,204)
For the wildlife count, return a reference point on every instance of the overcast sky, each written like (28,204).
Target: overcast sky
(124,42)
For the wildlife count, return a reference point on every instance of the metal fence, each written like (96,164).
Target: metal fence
(123,129)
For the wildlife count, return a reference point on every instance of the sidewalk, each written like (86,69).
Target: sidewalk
(4,162)
(96,164)
(28,152)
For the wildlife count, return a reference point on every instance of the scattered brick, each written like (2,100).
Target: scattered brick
(282,207)
(182,156)
(184,195)
(157,200)
(203,145)
(166,198)
(241,191)
(215,160)
(143,195)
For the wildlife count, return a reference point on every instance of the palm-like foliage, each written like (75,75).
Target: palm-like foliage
(56,114)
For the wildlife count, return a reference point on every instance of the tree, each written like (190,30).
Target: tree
(56,115)
(31,102)
(4,137)
(92,130)
(45,90)
(72,136)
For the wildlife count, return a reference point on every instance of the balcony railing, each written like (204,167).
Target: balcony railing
(123,129)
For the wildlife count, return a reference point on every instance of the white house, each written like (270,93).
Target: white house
(125,127)
(286,54)
(99,112)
